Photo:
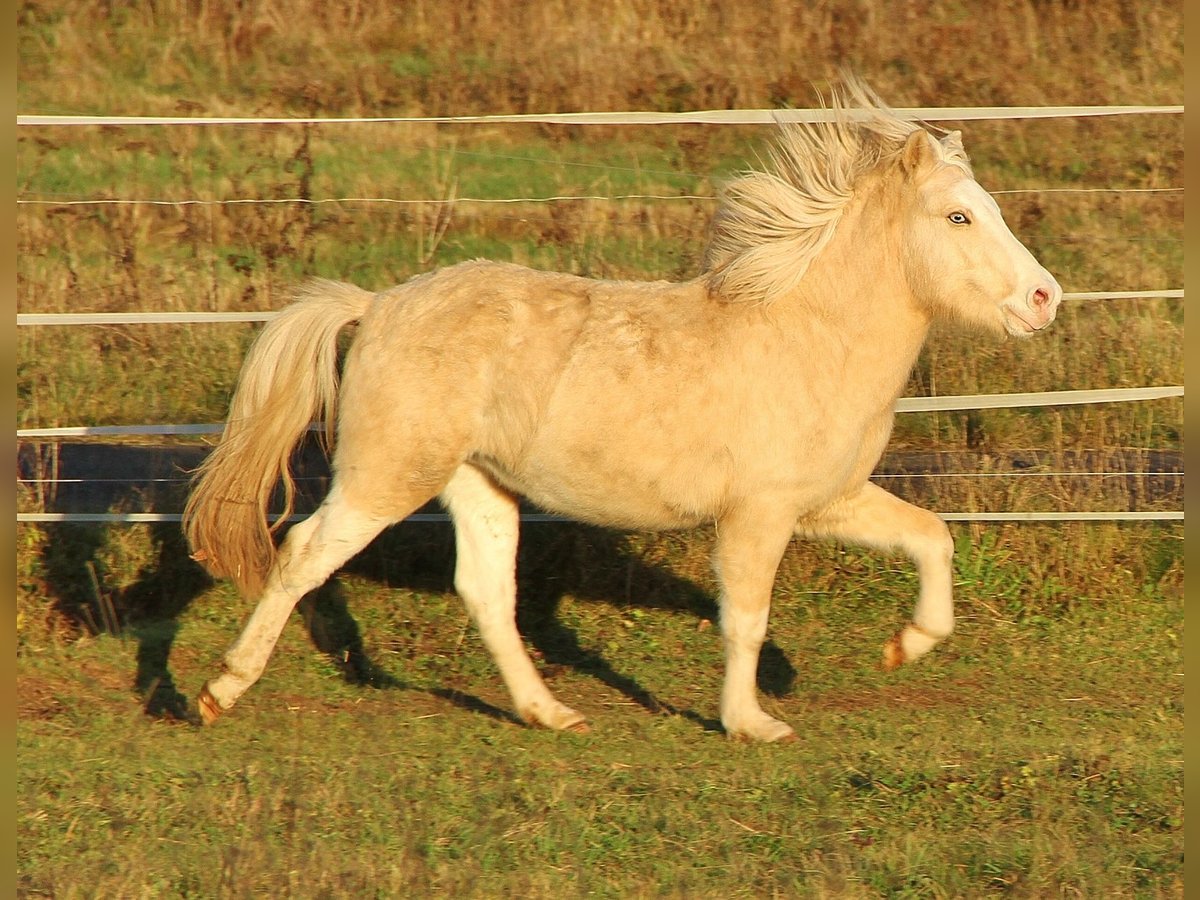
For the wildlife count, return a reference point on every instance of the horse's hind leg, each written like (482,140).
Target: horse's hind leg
(875,518)
(486,525)
(310,553)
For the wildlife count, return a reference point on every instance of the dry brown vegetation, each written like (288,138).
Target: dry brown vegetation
(374,57)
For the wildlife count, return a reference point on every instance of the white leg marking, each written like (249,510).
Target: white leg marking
(486,527)
(877,519)
(750,543)
(310,553)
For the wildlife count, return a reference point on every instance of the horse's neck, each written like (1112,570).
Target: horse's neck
(856,293)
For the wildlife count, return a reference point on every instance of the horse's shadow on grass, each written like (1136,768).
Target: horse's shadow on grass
(75,560)
(605,567)
(555,562)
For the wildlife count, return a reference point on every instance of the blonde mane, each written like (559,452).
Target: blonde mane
(771,224)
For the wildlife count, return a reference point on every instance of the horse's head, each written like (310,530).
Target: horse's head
(958,254)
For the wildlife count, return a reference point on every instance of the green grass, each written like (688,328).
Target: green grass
(1038,752)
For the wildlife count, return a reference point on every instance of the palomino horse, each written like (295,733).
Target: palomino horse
(757,397)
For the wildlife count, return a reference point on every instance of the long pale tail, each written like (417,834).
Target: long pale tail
(289,378)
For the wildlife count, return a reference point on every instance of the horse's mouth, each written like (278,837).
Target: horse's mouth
(1019,326)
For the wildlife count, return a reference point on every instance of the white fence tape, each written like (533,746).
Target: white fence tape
(697,117)
(1043,398)
(422,518)
(151,518)
(192,318)
(1171,515)
(878,476)
(402,201)
(119,431)
(1081,190)
(903,405)
(452,201)
(1176,294)
(144,318)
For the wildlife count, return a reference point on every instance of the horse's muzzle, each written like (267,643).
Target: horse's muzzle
(1038,310)
(1042,304)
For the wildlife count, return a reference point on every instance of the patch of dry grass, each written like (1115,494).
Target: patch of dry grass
(373,56)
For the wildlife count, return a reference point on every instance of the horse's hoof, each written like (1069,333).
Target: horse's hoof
(555,716)
(893,653)
(773,732)
(207,707)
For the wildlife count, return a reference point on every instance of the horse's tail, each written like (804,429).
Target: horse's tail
(289,378)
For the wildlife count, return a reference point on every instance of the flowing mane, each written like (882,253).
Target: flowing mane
(771,224)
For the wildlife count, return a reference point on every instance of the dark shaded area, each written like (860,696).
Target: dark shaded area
(335,633)
(554,561)
(94,477)
(101,478)
(74,567)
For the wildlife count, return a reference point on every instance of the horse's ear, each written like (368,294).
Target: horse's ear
(920,151)
(952,142)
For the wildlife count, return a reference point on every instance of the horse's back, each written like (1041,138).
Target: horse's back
(550,382)
(635,404)
(511,331)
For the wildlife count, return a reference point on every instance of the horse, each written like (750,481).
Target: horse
(756,398)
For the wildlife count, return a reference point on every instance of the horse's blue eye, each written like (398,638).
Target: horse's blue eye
(959,218)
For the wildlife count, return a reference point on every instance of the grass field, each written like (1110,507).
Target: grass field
(1038,753)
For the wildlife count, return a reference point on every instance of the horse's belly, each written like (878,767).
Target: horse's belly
(682,469)
(597,486)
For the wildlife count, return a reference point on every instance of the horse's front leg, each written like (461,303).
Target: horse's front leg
(750,543)
(875,518)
